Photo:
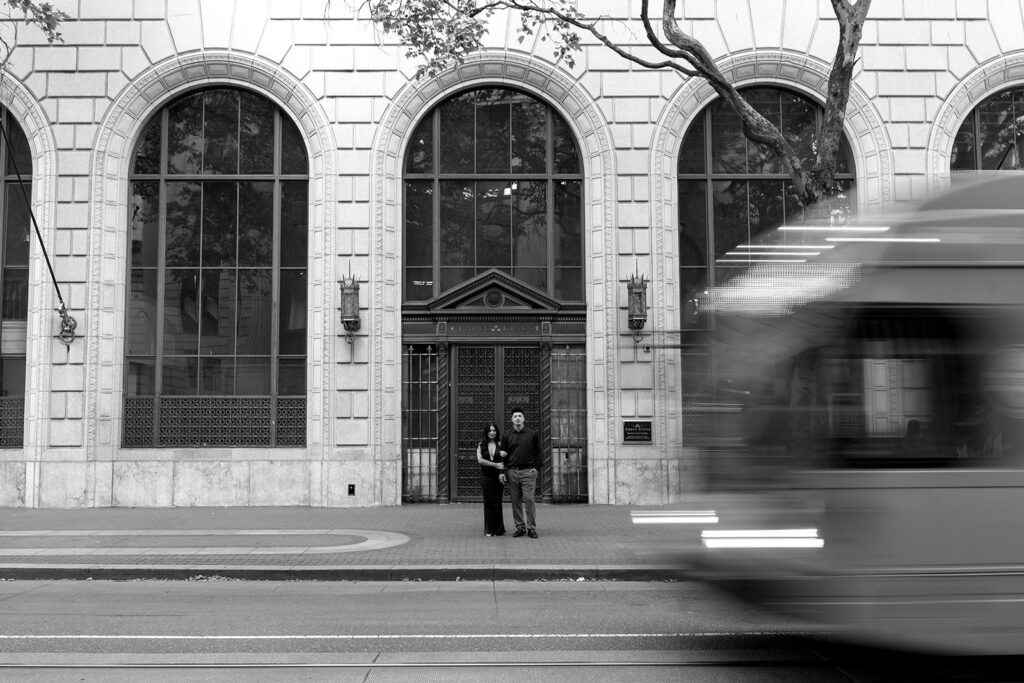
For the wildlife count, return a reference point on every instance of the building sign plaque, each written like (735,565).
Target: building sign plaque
(636,430)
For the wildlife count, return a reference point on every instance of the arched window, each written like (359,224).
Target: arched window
(991,136)
(492,180)
(731,189)
(15,160)
(215,337)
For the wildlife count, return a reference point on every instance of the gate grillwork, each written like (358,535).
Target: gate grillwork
(12,421)
(569,425)
(420,388)
(214,421)
(476,381)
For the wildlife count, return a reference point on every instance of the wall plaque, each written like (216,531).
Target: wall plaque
(636,430)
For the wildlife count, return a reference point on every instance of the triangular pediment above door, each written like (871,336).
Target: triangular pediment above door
(494,292)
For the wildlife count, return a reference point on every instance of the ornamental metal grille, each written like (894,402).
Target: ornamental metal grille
(214,421)
(476,382)
(420,388)
(12,421)
(569,424)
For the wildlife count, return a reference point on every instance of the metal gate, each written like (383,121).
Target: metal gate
(488,382)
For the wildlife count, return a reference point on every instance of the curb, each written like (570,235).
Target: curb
(345,573)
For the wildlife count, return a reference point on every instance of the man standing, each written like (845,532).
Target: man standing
(521,467)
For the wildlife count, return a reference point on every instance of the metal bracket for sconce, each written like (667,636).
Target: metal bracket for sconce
(349,306)
(636,305)
(67,326)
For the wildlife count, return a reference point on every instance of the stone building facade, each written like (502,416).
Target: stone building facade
(120,417)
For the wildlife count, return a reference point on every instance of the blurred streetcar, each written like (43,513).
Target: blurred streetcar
(866,444)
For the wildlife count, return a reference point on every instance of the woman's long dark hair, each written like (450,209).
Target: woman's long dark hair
(497,433)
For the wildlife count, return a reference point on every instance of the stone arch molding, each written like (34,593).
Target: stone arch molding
(565,95)
(118,133)
(42,322)
(865,131)
(998,74)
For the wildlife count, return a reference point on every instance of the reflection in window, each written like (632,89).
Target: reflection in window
(493,180)
(15,195)
(217,286)
(731,189)
(991,136)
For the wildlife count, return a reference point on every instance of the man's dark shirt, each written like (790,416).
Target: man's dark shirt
(523,449)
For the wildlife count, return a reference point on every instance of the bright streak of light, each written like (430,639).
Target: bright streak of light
(884,239)
(772,253)
(835,228)
(674,517)
(762,538)
(785,246)
(748,261)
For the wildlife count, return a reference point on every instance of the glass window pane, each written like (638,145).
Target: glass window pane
(995,117)
(184,202)
(255,308)
(420,156)
(692,282)
(217,322)
(530,227)
(493,131)
(147,154)
(569,284)
(181,311)
(568,223)
(799,126)
(535,277)
(453,277)
(767,103)
(256,134)
(220,128)
(17,227)
(252,377)
(293,149)
(728,146)
(693,223)
(291,378)
(179,376)
(15,286)
(419,223)
(185,135)
(256,224)
(563,143)
(217,376)
(419,284)
(140,334)
(140,377)
(458,206)
(220,212)
(293,312)
(145,223)
(691,154)
(731,215)
(294,223)
(766,208)
(456,134)
(19,156)
(493,225)
(529,135)
(12,376)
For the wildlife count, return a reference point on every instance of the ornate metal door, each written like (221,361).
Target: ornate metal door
(487,383)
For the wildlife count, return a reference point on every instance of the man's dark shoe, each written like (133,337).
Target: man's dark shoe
(531,533)
(518,533)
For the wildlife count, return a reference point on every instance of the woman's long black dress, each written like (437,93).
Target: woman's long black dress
(494,518)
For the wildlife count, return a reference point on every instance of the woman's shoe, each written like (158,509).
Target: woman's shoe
(488,535)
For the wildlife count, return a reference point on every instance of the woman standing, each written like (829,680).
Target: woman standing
(491,457)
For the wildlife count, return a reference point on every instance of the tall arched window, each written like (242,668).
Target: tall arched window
(15,160)
(992,135)
(731,189)
(493,180)
(215,337)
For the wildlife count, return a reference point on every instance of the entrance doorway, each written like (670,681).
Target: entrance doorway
(489,382)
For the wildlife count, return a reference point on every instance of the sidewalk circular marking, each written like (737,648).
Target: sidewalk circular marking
(372,540)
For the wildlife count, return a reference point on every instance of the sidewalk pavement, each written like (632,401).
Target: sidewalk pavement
(402,543)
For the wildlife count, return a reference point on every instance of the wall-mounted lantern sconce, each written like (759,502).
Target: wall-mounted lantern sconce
(349,306)
(636,306)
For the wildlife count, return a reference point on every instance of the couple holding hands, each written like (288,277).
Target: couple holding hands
(513,461)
